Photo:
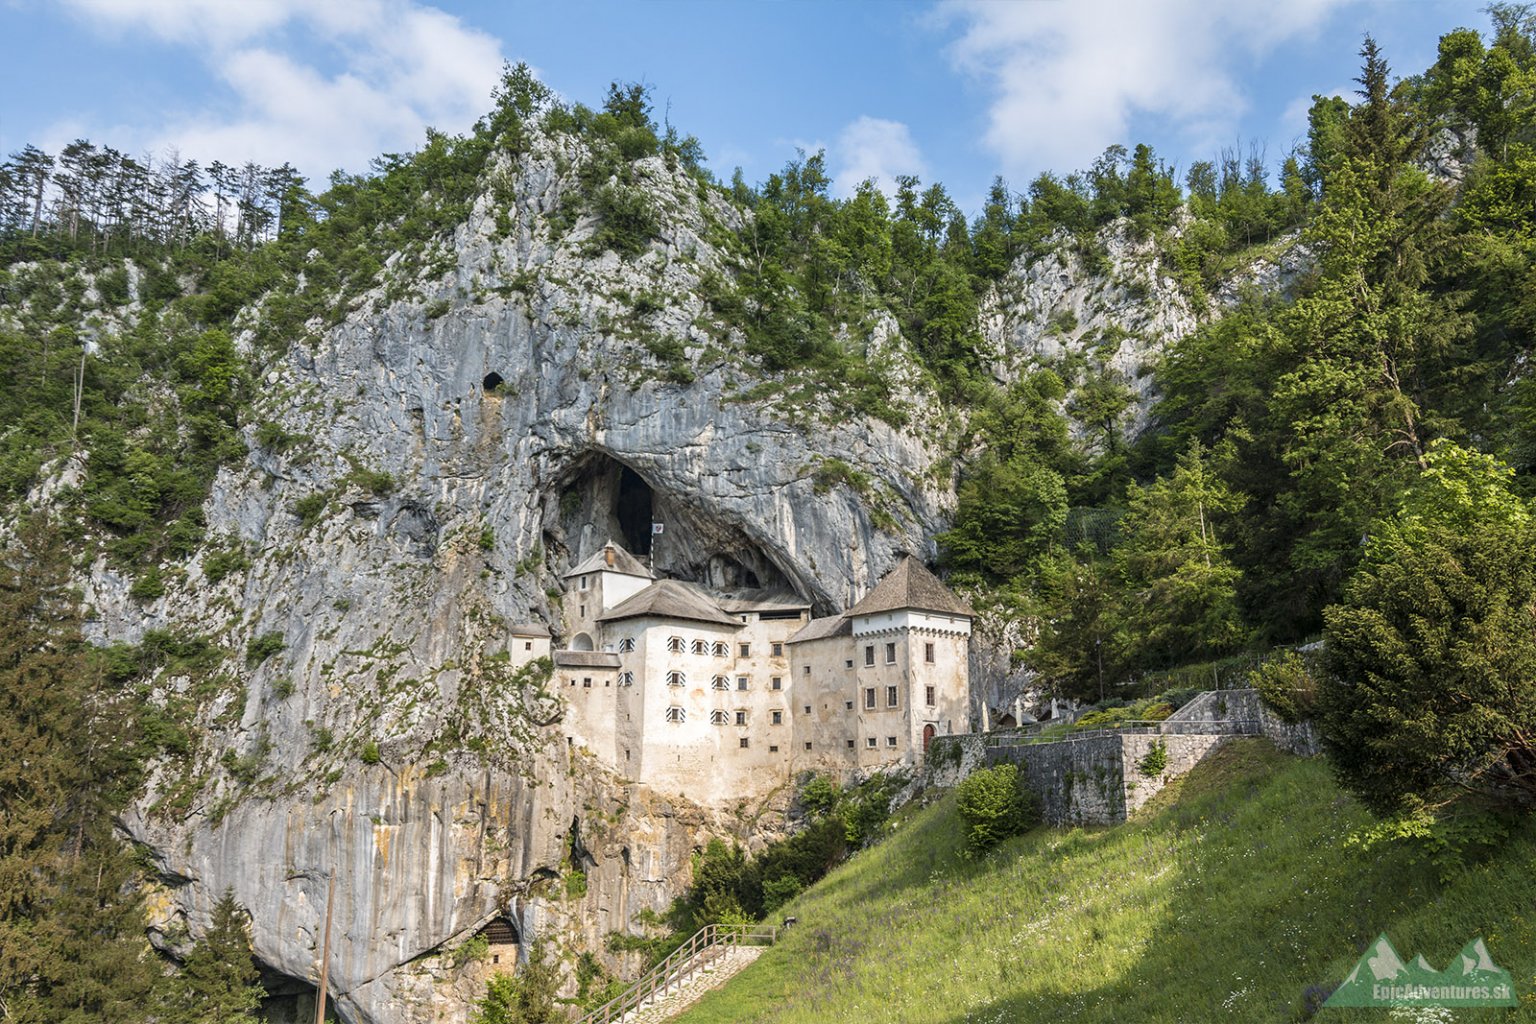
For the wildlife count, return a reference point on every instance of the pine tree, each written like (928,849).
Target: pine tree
(219,982)
(72,943)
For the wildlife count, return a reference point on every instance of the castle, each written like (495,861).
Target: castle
(721,696)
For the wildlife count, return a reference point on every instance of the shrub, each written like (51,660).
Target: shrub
(219,564)
(779,891)
(626,223)
(487,538)
(310,507)
(148,586)
(1288,686)
(993,806)
(1156,760)
(370,753)
(263,647)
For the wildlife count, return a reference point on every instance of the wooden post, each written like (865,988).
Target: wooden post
(325,950)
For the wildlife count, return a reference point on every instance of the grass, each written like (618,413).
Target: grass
(1231,897)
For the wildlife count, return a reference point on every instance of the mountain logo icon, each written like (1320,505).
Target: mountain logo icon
(1382,978)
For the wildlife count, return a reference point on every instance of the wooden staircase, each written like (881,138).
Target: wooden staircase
(707,960)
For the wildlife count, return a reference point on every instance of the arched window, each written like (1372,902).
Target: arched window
(700,647)
(676,678)
(581,642)
(677,714)
(719,683)
(718,717)
(675,645)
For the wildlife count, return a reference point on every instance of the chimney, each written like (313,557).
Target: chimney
(608,554)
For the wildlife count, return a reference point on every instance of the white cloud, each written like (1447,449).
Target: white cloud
(392,67)
(870,147)
(1067,77)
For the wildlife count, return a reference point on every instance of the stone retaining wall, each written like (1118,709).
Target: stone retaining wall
(1098,778)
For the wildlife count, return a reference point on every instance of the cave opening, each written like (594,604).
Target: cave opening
(493,382)
(290,1000)
(632,508)
(599,498)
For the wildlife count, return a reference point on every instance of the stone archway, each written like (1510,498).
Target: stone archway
(581,642)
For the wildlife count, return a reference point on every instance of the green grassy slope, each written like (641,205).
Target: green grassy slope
(1225,900)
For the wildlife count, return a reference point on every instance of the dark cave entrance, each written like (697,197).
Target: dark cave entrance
(492,382)
(601,498)
(632,508)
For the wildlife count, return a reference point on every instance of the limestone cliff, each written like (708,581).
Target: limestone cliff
(417,478)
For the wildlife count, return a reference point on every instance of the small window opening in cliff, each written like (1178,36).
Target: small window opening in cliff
(632,509)
(493,382)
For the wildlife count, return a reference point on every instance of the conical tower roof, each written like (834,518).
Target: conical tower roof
(911,585)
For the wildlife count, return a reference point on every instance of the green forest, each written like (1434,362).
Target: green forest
(1352,462)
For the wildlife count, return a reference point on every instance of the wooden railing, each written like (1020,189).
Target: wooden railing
(703,948)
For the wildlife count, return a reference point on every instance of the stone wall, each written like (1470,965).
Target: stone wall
(1246,706)
(1097,778)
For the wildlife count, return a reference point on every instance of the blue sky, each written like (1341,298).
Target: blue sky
(954,90)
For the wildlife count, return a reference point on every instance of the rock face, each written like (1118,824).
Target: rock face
(520,424)
(418,477)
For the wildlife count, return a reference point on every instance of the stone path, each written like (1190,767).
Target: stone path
(723,969)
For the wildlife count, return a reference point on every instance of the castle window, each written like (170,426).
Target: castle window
(807,744)
(700,647)
(808,669)
(850,744)
(847,705)
(928,653)
(584,583)
(890,741)
(746,650)
(676,678)
(773,749)
(527,645)
(721,650)
(869,698)
(741,718)
(583,611)
(719,683)
(718,717)
(627,645)
(675,644)
(778,718)
(848,663)
(626,679)
(677,714)
(741,682)
(745,743)
(586,682)
(807,709)
(869,655)
(778,650)
(890,696)
(777,684)
(928,696)
(870,743)
(890,654)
